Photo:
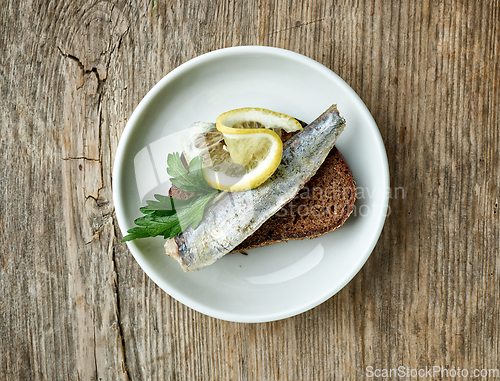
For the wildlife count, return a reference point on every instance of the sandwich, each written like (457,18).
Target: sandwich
(321,206)
(253,178)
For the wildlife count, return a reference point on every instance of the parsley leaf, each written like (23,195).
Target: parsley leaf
(169,217)
(190,181)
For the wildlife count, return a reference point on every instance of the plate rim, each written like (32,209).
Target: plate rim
(117,179)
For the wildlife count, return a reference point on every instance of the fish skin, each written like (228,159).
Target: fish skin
(237,215)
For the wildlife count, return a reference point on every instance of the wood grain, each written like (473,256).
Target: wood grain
(76,306)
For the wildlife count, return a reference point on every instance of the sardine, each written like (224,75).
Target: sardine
(238,215)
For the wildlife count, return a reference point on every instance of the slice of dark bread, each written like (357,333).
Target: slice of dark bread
(321,206)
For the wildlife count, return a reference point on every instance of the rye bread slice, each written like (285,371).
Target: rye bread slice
(321,206)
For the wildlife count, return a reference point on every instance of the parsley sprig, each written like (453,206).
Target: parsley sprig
(169,217)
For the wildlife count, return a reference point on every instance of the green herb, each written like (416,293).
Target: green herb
(189,181)
(169,217)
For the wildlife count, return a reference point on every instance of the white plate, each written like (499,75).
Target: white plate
(277,281)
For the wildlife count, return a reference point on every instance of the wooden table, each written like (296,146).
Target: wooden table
(76,306)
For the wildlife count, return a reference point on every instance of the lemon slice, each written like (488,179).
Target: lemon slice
(250,151)
(251,118)
(240,151)
(257,155)
(254,158)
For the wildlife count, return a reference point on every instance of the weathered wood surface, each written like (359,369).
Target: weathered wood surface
(76,306)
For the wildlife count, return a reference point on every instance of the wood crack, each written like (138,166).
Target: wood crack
(115,285)
(298,24)
(95,358)
(81,158)
(100,81)
(115,282)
